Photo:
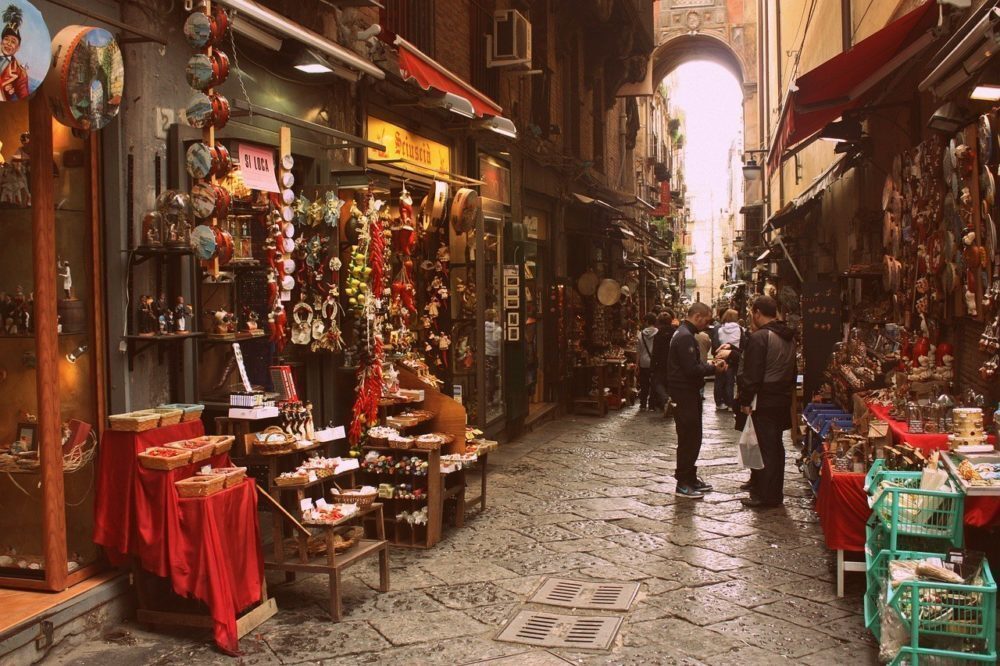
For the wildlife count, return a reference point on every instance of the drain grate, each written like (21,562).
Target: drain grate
(561,631)
(570,593)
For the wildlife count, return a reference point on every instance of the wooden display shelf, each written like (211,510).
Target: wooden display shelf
(435,491)
(140,343)
(331,564)
(449,416)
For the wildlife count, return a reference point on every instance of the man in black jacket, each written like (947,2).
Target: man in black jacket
(658,368)
(686,378)
(767,373)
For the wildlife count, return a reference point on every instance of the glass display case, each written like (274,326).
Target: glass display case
(51,350)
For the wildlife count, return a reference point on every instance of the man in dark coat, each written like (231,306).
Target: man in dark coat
(767,373)
(658,397)
(686,374)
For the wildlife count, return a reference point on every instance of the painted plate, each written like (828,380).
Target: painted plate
(199,111)
(203,242)
(200,72)
(26,48)
(85,90)
(199,160)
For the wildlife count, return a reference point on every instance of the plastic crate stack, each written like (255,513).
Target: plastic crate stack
(819,418)
(938,620)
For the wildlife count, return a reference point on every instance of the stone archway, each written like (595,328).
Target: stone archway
(721,31)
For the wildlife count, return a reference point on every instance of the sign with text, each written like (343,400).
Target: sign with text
(257,168)
(407,149)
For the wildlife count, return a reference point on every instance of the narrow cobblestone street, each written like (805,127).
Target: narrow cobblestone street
(585,498)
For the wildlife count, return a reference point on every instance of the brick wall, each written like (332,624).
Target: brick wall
(451,36)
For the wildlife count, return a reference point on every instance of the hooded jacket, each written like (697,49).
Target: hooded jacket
(661,349)
(730,333)
(644,346)
(686,371)
(768,368)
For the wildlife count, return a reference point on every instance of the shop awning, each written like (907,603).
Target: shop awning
(417,66)
(798,207)
(657,262)
(590,201)
(825,93)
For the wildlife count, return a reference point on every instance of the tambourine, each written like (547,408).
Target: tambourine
(587,283)
(204,198)
(200,160)
(223,246)
(287,179)
(287,162)
(203,242)
(987,185)
(207,111)
(439,200)
(28,67)
(223,161)
(986,139)
(85,88)
(288,266)
(204,71)
(887,190)
(287,197)
(288,245)
(465,209)
(287,283)
(609,292)
(288,230)
(202,30)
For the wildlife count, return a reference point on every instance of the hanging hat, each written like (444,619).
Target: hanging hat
(12,18)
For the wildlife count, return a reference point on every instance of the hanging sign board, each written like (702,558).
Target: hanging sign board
(257,168)
(407,148)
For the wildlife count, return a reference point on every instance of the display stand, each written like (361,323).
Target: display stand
(617,384)
(449,415)
(334,564)
(591,404)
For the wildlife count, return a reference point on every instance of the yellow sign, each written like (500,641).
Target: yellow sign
(411,150)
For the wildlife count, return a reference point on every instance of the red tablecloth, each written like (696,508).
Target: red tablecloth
(209,548)
(842,505)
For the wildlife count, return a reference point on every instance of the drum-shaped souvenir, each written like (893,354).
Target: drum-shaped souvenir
(465,209)
(26,50)
(204,199)
(85,90)
(200,160)
(203,242)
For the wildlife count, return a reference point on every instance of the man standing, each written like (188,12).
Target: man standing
(658,398)
(686,380)
(767,373)
(644,356)
(13,75)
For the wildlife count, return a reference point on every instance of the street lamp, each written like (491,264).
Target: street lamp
(751,168)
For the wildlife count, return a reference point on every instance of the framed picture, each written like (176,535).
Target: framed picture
(26,436)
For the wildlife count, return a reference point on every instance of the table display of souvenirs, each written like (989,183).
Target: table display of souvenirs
(323,513)
(316,468)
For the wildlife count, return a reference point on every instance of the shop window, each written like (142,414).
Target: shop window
(413,20)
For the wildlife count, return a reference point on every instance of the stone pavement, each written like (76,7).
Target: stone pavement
(584,498)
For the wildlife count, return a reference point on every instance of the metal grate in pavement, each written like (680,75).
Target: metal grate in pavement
(570,593)
(561,631)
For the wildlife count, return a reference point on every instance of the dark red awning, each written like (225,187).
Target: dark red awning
(416,66)
(840,84)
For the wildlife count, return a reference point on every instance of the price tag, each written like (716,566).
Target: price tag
(306,503)
(338,433)
(257,168)
(322,504)
(312,477)
(206,469)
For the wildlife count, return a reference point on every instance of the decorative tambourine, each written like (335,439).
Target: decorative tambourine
(987,185)
(439,200)
(609,292)
(987,142)
(85,88)
(465,210)
(887,190)
(27,50)
(587,284)
(203,242)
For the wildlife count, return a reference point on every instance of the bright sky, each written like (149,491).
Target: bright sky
(712,102)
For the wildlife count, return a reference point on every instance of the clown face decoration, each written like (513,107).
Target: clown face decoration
(24,50)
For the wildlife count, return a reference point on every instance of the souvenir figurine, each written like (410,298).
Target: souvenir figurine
(182,311)
(67,278)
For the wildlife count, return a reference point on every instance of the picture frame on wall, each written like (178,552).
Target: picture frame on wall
(27,435)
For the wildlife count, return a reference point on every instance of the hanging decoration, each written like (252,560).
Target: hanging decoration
(25,50)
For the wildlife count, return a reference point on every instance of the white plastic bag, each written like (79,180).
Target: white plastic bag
(748,450)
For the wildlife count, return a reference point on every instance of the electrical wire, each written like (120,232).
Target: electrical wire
(861,20)
(239,71)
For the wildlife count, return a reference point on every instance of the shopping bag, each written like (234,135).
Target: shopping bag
(748,449)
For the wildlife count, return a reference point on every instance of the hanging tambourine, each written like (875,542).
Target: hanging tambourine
(609,292)
(26,52)
(203,242)
(439,201)
(465,209)
(587,283)
(85,87)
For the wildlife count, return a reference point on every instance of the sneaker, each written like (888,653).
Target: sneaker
(689,492)
(702,486)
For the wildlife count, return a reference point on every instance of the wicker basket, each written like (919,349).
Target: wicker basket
(344,539)
(291,481)
(199,450)
(403,444)
(149,461)
(139,421)
(219,443)
(272,441)
(442,441)
(190,412)
(200,486)
(359,499)
(168,415)
(234,476)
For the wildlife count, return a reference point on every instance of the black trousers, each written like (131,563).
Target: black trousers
(719,390)
(645,375)
(687,419)
(769,483)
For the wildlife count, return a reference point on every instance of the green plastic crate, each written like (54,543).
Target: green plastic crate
(932,610)
(876,570)
(919,656)
(906,510)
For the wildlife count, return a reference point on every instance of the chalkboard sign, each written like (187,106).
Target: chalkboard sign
(821,330)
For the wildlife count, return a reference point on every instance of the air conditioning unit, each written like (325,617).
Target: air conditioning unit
(510,43)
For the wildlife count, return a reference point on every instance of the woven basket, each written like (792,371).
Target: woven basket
(220,443)
(139,421)
(291,482)
(270,442)
(199,450)
(406,443)
(234,476)
(344,539)
(149,461)
(361,500)
(190,412)
(200,486)
(168,415)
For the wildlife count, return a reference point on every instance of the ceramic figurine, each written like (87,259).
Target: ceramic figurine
(67,277)
(182,311)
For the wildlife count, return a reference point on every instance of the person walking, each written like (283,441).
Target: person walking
(730,336)
(659,397)
(768,373)
(644,356)
(686,372)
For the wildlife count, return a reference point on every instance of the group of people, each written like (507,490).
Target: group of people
(755,373)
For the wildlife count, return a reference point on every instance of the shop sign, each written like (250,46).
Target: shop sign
(496,180)
(512,302)
(411,149)
(257,167)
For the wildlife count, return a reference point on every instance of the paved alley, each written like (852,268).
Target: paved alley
(585,498)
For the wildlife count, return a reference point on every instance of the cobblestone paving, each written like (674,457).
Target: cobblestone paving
(584,498)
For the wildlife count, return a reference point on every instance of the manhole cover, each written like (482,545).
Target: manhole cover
(578,594)
(561,631)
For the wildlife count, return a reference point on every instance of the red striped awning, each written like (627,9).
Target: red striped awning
(416,66)
(843,82)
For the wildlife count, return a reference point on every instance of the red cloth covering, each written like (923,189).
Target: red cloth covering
(842,505)
(209,547)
